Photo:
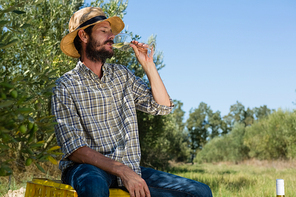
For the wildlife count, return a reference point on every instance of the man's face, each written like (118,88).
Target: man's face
(99,45)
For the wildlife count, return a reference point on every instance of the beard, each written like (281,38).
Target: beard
(97,55)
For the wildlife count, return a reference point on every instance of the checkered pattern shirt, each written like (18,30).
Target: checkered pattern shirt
(101,113)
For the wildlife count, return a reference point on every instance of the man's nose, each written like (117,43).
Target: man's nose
(111,36)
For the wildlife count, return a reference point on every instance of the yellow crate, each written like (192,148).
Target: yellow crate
(50,188)
(118,193)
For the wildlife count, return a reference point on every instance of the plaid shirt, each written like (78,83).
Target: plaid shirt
(101,113)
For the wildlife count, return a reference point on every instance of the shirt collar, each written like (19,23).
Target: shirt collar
(84,70)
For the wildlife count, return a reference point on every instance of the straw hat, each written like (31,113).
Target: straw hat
(81,20)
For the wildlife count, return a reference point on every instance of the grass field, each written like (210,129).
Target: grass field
(246,179)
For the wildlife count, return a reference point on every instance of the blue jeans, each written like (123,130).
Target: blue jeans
(90,181)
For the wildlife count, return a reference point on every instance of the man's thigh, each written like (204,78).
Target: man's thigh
(169,185)
(89,180)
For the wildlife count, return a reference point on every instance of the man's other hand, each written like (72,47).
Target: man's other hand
(136,186)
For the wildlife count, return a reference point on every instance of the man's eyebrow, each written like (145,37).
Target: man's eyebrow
(105,27)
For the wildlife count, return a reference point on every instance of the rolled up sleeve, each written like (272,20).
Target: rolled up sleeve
(69,131)
(144,99)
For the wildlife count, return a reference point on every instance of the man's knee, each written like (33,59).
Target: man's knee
(93,186)
(88,180)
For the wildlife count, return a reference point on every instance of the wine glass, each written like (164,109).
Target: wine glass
(122,42)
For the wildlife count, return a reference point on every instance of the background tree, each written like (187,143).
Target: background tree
(26,128)
(269,136)
(262,112)
(238,114)
(178,114)
(180,141)
(228,147)
(203,125)
(272,137)
(249,117)
(197,126)
(215,123)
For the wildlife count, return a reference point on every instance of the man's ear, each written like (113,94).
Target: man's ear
(83,36)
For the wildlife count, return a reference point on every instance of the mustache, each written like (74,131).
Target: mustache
(98,44)
(109,41)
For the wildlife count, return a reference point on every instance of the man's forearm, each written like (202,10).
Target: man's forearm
(92,157)
(159,91)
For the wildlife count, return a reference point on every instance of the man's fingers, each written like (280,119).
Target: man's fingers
(140,46)
(144,190)
(137,193)
(141,190)
(132,193)
(147,192)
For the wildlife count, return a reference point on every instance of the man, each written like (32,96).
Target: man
(95,107)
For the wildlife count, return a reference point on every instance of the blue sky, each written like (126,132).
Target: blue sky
(220,52)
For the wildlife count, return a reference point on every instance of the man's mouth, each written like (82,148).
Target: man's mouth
(109,42)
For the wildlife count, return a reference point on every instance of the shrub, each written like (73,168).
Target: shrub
(228,147)
(273,137)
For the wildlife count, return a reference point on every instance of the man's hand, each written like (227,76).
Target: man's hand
(141,52)
(136,186)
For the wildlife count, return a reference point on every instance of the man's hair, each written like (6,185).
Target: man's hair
(77,40)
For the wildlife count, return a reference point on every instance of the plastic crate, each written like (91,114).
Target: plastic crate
(55,188)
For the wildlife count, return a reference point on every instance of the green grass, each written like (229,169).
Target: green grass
(243,180)
(251,178)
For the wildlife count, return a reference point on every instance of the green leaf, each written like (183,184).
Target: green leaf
(6,104)
(45,118)
(3,46)
(3,130)
(57,153)
(26,25)
(40,168)
(8,9)
(2,23)
(28,150)
(25,110)
(38,2)
(5,170)
(7,85)
(18,12)
(5,35)
(34,145)
(4,147)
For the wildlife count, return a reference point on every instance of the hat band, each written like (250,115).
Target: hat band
(91,21)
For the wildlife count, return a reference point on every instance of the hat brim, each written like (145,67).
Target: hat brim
(67,43)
